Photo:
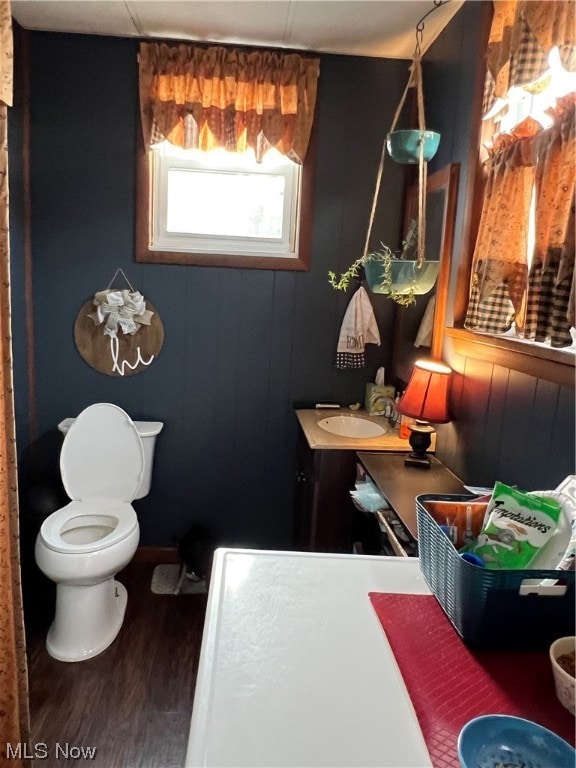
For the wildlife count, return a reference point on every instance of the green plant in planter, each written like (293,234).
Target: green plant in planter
(384,256)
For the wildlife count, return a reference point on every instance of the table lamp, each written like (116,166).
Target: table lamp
(425,399)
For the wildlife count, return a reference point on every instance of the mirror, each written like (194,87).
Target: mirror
(441,193)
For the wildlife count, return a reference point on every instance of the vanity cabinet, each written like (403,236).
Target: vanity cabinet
(323,507)
(325,518)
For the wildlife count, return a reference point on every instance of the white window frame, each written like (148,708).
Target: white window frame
(166,158)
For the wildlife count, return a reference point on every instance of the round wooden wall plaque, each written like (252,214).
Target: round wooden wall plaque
(126,355)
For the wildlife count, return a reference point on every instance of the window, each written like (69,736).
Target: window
(222,208)
(521,103)
(224,203)
(224,174)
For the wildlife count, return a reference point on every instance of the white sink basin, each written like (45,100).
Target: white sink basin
(351,426)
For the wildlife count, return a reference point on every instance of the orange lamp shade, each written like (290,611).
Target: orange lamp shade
(426,396)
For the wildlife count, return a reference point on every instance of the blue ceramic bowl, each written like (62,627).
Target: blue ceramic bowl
(404,146)
(494,740)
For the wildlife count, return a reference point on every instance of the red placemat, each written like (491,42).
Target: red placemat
(449,683)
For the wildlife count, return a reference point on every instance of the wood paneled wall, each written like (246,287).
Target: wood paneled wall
(241,346)
(508,426)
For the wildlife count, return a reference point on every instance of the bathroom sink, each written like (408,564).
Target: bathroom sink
(351,426)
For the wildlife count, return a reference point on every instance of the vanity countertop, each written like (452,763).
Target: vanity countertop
(319,438)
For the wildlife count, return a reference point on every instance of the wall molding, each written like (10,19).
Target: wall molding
(548,364)
(23,40)
(156,555)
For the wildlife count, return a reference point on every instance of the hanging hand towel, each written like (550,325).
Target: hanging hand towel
(424,335)
(358,329)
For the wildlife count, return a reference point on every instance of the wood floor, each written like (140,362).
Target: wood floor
(133,702)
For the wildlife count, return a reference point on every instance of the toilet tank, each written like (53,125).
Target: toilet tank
(148,431)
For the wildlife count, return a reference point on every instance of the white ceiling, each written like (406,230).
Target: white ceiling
(381,28)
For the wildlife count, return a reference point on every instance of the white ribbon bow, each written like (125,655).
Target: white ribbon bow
(120,310)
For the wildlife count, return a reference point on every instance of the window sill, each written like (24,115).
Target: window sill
(147,255)
(553,365)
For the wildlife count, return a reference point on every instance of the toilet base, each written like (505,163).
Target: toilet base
(87,620)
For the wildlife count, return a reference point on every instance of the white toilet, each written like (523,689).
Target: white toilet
(105,463)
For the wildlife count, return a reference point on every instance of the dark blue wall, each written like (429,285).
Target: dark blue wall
(241,346)
(454,63)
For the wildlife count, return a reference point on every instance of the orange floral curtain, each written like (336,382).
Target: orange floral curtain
(521,36)
(504,290)
(500,266)
(205,98)
(14,720)
(550,300)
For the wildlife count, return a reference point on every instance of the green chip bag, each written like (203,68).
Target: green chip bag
(516,526)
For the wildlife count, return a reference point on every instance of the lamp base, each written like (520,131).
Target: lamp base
(420,439)
(413,460)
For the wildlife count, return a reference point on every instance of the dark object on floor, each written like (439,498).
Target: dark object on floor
(365,529)
(196,550)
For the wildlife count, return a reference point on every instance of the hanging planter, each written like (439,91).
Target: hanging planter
(393,274)
(400,277)
(405,146)
(396,275)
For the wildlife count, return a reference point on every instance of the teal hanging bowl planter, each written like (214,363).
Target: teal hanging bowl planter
(401,277)
(404,146)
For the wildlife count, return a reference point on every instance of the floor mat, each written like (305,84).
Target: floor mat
(166,581)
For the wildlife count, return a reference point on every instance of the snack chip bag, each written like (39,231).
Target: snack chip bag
(516,526)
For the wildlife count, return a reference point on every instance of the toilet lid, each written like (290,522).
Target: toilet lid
(102,455)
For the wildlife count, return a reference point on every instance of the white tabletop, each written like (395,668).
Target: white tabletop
(295,669)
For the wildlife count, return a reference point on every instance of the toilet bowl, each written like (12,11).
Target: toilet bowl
(83,545)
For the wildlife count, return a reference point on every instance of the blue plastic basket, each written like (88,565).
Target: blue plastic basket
(485,606)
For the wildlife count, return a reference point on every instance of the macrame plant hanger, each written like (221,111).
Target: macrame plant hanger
(414,81)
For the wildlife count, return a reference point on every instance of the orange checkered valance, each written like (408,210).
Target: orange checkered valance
(209,97)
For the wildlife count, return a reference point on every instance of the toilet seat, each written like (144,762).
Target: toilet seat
(102,455)
(91,515)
